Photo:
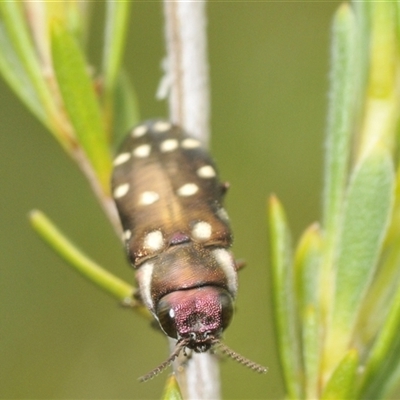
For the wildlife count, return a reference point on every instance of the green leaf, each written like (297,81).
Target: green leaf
(285,308)
(366,215)
(15,75)
(311,336)
(341,385)
(307,268)
(384,46)
(383,360)
(381,111)
(80,101)
(361,10)
(390,381)
(340,118)
(376,304)
(384,286)
(117,16)
(172,390)
(77,18)
(119,102)
(20,40)
(79,261)
(393,236)
(307,263)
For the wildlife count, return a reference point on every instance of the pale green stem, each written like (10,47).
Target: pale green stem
(111,284)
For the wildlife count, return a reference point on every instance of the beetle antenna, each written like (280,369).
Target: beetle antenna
(240,359)
(156,371)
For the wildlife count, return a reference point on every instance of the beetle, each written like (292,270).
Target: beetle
(177,235)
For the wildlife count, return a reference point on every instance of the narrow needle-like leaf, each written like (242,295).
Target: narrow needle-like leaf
(311,345)
(79,261)
(366,215)
(339,130)
(375,376)
(307,262)
(116,26)
(284,302)
(15,75)
(117,15)
(382,100)
(342,382)
(307,268)
(341,115)
(11,13)
(80,101)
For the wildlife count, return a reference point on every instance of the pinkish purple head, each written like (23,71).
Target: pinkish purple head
(198,315)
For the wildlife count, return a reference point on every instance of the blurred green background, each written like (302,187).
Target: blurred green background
(63,338)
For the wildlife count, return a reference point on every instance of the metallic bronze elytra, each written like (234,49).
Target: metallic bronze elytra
(155,179)
(177,234)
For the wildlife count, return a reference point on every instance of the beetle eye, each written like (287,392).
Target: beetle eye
(227,309)
(166,315)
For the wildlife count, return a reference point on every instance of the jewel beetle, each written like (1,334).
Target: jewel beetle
(177,235)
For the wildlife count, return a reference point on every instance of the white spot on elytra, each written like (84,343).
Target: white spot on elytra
(171,313)
(190,143)
(168,145)
(223,214)
(162,126)
(207,171)
(227,263)
(202,230)
(127,234)
(142,151)
(187,190)
(139,131)
(122,158)
(121,190)
(147,198)
(154,240)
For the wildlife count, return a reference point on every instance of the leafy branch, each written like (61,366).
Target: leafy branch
(42,58)
(337,299)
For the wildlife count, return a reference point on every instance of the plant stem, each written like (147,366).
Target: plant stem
(79,261)
(187,66)
(187,73)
